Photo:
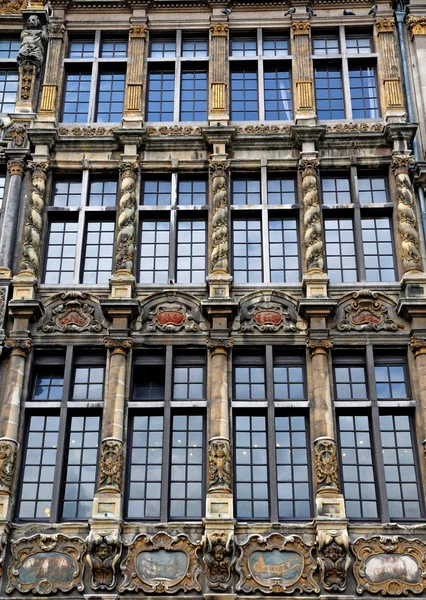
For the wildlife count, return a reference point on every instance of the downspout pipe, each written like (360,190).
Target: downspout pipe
(400,17)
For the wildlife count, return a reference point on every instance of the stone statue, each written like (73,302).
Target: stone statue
(33,40)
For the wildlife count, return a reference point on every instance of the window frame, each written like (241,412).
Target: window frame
(10,64)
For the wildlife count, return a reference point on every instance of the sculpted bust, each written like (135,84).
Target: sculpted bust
(33,40)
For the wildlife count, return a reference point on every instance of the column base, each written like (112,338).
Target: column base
(315,283)
(122,285)
(107,507)
(220,508)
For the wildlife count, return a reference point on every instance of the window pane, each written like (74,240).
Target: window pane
(98,251)
(378,249)
(66,193)
(9,47)
(193,97)
(194,46)
(277,85)
(247,251)
(102,192)
(188,383)
(323,45)
(350,382)
(364,96)
(163,48)
(245,191)
(340,250)
(244,95)
(372,190)
(191,251)
(81,48)
(250,383)
(154,251)
(329,93)
(281,191)
(244,46)
(160,100)
(157,192)
(2,186)
(149,383)
(192,192)
(390,381)
(289,382)
(88,383)
(114,48)
(359,44)
(110,97)
(48,386)
(75,107)
(336,190)
(8,89)
(283,251)
(60,254)
(275,45)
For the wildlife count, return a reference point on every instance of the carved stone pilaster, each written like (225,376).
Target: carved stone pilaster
(104,552)
(333,558)
(220,477)
(16,166)
(134,81)
(126,234)
(30,257)
(8,450)
(326,463)
(416,25)
(111,464)
(303,71)
(407,222)
(219,558)
(389,68)
(313,236)
(220,217)
(56,30)
(219,70)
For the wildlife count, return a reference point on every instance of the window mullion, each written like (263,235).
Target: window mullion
(346,87)
(273,490)
(80,245)
(359,254)
(265,245)
(165,479)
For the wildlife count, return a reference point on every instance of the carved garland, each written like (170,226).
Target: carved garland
(326,463)
(220,478)
(111,464)
(220,235)
(126,236)
(409,236)
(333,558)
(314,243)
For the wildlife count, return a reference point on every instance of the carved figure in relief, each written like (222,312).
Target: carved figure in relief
(7,462)
(111,463)
(220,464)
(326,463)
(104,552)
(333,558)
(33,40)
(219,557)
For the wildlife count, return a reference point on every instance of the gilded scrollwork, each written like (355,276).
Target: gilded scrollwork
(219,558)
(45,564)
(111,464)
(314,242)
(385,25)
(262,129)
(8,7)
(393,566)
(333,558)
(220,234)
(138,31)
(326,463)
(7,462)
(276,564)
(126,235)
(161,564)
(301,27)
(406,215)
(219,29)
(103,554)
(416,25)
(220,477)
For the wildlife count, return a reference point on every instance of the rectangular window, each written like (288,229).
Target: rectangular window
(154,251)
(359,44)
(9,80)
(245,191)
(340,250)
(157,192)
(99,250)
(191,251)
(114,48)
(9,47)
(335,190)
(81,48)
(378,249)
(193,100)
(149,382)
(247,250)
(281,190)
(390,381)
(102,192)
(288,381)
(244,94)
(48,387)
(283,251)
(160,97)
(187,463)
(277,85)
(76,97)
(66,193)
(193,47)
(372,190)
(364,96)
(250,383)
(350,382)
(88,384)
(61,251)
(110,97)
(162,48)
(329,93)
(244,45)
(324,45)
(188,383)
(275,45)
(251,467)
(192,192)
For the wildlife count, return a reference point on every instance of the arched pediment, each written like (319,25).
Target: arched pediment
(171,312)
(72,312)
(366,310)
(267,311)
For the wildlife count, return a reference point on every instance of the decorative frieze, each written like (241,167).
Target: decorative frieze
(263,129)
(220,465)
(164,130)
(356,127)
(407,222)
(111,464)
(313,237)
(333,558)
(8,450)
(219,558)
(103,554)
(416,25)
(87,131)
(268,312)
(220,217)
(326,463)
(126,234)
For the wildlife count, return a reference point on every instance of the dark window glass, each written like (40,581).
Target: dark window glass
(110,97)
(378,249)
(251,468)
(191,251)
(157,192)
(9,47)
(372,190)
(61,248)
(329,93)
(188,383)
(8,89)
(145,467)
(186,469)
(244,102)
(39,467)
(2,186)
(102,192)
(114,48)
(340,250)
(150,385)
(163,48)
(192,192)
(84,48)
(390,381)
(364,96)
(98,251)
(292,468)
(48,386)
(400,473)
(250,383)
(325,45)
(283,251)
(350,383)
(277,84)
(357,467)
(288,383)
(245,191)
(161,89)
(66,193)
(244,46)
(275,45)
(76,97)
(88,383)
(281,191)
(193,99)
(192,47)
(81,466)
(360,44)
(154,251)
(247,251)
(336,190)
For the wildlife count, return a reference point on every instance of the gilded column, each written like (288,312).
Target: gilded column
(220,217)
(15,167)
(135,72)
(407,221)
(126,233)
(313,233)
(389,68)
(302,71)
(219,73)
(49,91)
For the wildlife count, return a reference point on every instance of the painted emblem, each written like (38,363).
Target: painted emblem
(275,564)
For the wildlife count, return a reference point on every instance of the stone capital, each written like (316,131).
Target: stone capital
(128,169)
(319,346)
(219,343)
(401,163)
(309,166)
(56,30)
(21,345)
(418,346)
(416,25)
(118,344)
(219,29)
(301,27)
(385,25)
(138,31)
(16,166)
(219,168)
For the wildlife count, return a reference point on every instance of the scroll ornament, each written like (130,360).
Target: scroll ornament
(326,463)
(366,312)
(314,242)
(220,234)
(416,25)
(7,462)
(75,314)
(111,464)
(409,236)
(104,552)
(219,465)
(170,317)
(333,558)
(30,258)
(126,236)
(218,557)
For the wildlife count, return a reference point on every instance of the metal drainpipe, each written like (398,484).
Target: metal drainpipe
(400,16)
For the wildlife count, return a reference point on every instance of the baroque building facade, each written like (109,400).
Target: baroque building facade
(212,298)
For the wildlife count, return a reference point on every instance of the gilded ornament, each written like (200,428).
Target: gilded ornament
(7,462)
(301,27)
(262,129)
(313,237)
(416,25)
(104,552)
(173,130)
(356,127)
(220,465)
(218,557)
(333,558)
(87,131)
(111,464)
(219,29)
(8,7)
(138,31)
(326,463)
(220,234)
(126,234)
(386,25)
(16,166)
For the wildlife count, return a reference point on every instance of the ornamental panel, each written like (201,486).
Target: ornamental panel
(367,311)
(170,313)
(72,312)
(267,312)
